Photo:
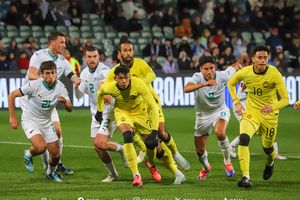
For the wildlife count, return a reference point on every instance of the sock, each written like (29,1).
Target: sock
(51,169)
(151,156)
(204,160)
(60,144)
(137,139)
(244,159)
(28,154)
(271,158)
(171,145)
(119,148)
(167,159)
(45,159)
(224,145)
(111,168)
(131,157)
(179,173)
(275,146)
(235,142)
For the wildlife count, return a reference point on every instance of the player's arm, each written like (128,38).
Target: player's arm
(64,99)
(192,86)
(80,89)
(235,79)
(150,75)
(70,74)
(100,102)
(13,120)
(33,73)
(297,105)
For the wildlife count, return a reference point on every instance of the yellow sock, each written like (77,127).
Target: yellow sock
(271,158)
(172,146)
(167,159)
(138,140)
(244,158)
(131,157)
(151,155)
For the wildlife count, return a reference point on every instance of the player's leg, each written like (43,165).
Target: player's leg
(278,155)
(220,131)
(248,126)
(141,145)
(233,146)
(54,153)
(200,146)
(268,132)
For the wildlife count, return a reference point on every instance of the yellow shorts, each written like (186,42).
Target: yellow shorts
(138,120)
(264,125)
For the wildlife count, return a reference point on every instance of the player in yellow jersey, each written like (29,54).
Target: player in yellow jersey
(262,109)
(139,68)
(132,101)
(297,105)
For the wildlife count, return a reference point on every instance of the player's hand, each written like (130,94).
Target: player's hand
(237,66)
(76,81)
(108,99)
(239,109)
(14,123)
(266,109)
(98,116)
(211,82)
(62,99)
(296,106)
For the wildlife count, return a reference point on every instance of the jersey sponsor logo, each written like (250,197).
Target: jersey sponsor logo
(31,131)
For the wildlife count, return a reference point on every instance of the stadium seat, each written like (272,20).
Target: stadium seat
(25,34)
(258,38)
(98,29)
(85,28)
(62,29)
(36,28)
(111,34)
(146,35)
(49,28)
(87,34)
(99,35)
(168,31)
(12,34)
(73,29)
(246,36)
(142,41)
(134,35)
(38,34)
(25,28)
(161,60)
(11,28)
(120,34)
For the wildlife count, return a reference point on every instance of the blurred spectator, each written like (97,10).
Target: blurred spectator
(281,62)
(3,50)
(156,19)
(169,18)
(227,58)
(244,58)
(103,59)
(274,40)
(76,49)
(184,29)
(170,65)
(183,61)
(63,18)
(74,62)
(198,48)
(209,13)
(153,63)
(194,64)
(110,13)
(150,6)
(13,47)
(23,62)
(12,61)
(169,49)
(293,53)
(258,21)
(204,39)
(153,48)
(197,27)
(185,46)
(221,18)
(215,52)
(12,16)
(4,66)
(51,18)
(75,13)
(120,24)
(129,7)
(135,24)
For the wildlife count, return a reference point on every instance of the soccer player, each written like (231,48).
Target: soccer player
(242,96)
(297,105)
(132,101)
(43,95)
(211,111)
(140,69)
(56,46)
(262,109)
(91,77)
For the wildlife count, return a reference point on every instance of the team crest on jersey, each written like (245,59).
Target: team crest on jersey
(123,119)
(266,84)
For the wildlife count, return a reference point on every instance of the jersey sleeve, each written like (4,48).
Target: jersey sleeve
(105,71)
(64,92)
(235,79)
(100,94)
(282,91)
(227,74)
(149,74)
(35,60)
(196,78)
(29,88)
(68,68)
(110,75)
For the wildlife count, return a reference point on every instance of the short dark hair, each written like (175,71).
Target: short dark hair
(206,59)
(91,48)
(125,41)
(54,35)
(121,69)
(48,65)
(260,48)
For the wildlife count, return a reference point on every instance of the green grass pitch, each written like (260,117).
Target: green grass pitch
(16,183)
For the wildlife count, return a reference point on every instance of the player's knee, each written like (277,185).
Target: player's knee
(128,137)
(244,139)
(160,154)
(58,132)
(268,150)
(152,140)
(100,144)
(166,137)
(41,147)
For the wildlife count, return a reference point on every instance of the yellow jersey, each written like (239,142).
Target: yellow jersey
(261,88)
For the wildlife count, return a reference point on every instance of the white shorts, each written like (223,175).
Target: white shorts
(205,123)
(47,132)
(107,127)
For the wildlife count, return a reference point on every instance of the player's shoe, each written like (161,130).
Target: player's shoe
(141,157)
(55,177)
(244,182)
(229,170)
(110,178)
(268,172)
(204,173)
(28,162)
(179,179)
(232,152)
(183,163)
(137,181)
(154,171)
(280,157)
(125,162)
(64,170)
